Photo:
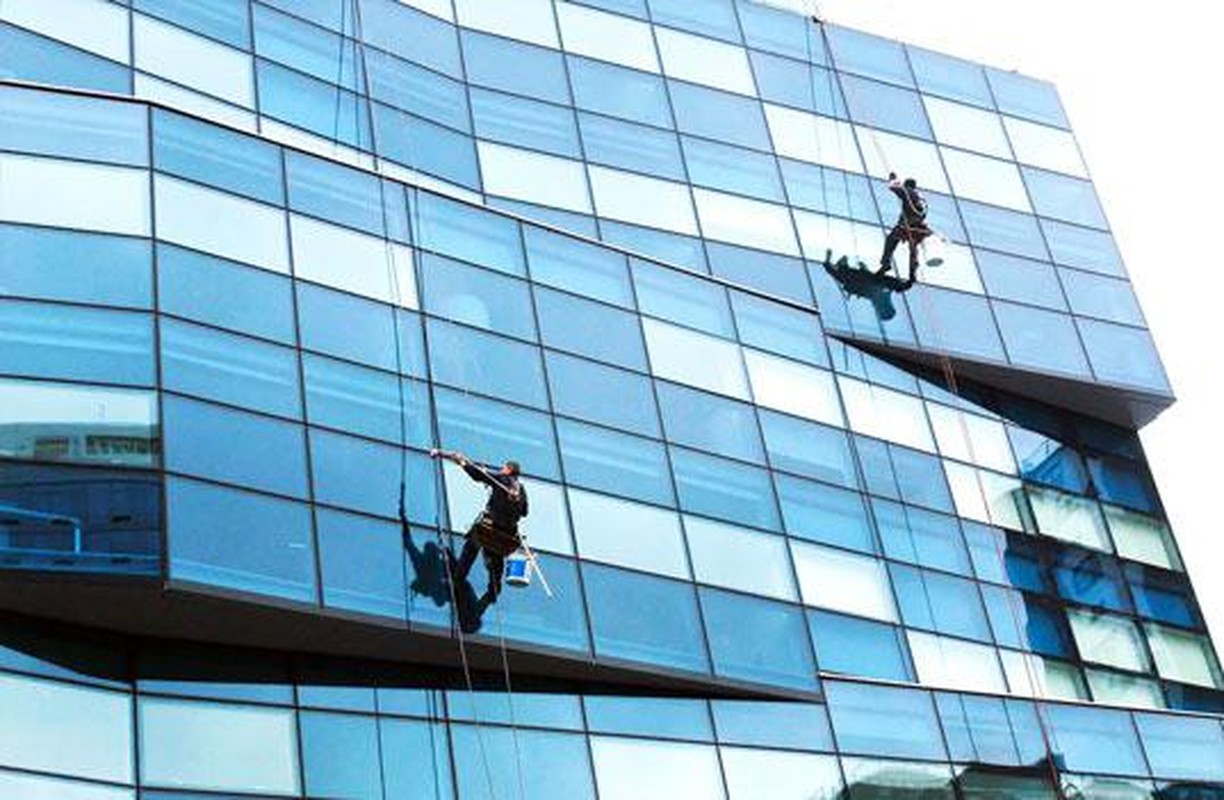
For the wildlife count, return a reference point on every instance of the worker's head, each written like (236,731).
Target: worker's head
(510,468)
(910,183)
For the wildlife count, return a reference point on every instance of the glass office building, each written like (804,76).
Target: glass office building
(809,532)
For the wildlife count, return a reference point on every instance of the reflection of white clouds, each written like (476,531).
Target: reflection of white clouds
(31,402)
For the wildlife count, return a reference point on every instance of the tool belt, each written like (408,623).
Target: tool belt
(495,539)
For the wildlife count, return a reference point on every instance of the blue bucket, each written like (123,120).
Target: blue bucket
(518,569)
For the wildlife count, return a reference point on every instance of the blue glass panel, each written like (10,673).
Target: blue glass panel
(1045,460)
(913,731)
(939,602)
(533,616)
(307,48)
(340,754)
(620,92)
(1180,747)
(558,711)
(508,753)
(419,91)
(1005,612)
(230,369)
(345,326)
(921,537)
(1123,355)
(526,123)
(777,328)
(1094,740)
(829,191)
(470,234)
(794,83)
(1098,296)
(29,57)
(822,513)
(472,360)
(1045,628)
(626,622)
(792,725)
(209,154)
(423,145)
(958,322)
(878,474)
(224,293)
(514,67)
(870,55)
(781,32)
(1040,339)
(985,550)
(947,76)
(51,341)
(411,34)
(978,729)
(602,394)
(613,462)
(219,19)
(1000,229)
(1026,97)
(719,115)
(326,695)
(670,248)
(47,123)
(724,489)
(366,402)
(360,563)
(233,446)
(580,224)
(808,448)
(476,296)
(355,473)
(590,329)
(1162,595)
(709,422)
(52,264)
(239,540)
(757,640)
(1090,578)
(334,192)
(889,107)
(1063,197)
(676,297)
(576,266)
(316,106)
(415,758)
(631,146)
(715,18)
(428,594)
(771,273)
(492,432)
(632,8)
(732,169)
(1020,279)
(859,647)
(1083,248)
(664,717)
(321,12)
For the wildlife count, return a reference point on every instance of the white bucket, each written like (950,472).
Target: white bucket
(518,569)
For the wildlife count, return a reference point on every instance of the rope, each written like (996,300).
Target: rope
(518,756)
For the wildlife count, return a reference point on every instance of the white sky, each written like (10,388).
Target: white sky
(1141,86)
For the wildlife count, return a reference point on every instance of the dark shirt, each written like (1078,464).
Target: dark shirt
(507,502)
(913,207)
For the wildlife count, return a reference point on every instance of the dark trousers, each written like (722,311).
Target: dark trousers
(494,563)
(909,234)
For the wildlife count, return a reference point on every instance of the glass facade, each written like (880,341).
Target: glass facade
(258,258)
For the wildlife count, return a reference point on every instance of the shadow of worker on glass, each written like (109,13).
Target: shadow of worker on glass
(433,579)
(860,280)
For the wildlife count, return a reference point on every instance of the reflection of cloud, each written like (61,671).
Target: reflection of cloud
(32,402)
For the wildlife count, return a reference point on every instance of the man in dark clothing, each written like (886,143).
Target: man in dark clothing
(911,225)
(495,531)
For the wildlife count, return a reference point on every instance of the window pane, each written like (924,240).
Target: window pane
(514,67)
(602,394)
(492,432)
(673,296)
(757,640)
(475,361)
(609,37)
(713,114)
(641,200)
(470,234)
(955,664)
(508,753)
(882,106)
(859,647)
(708,422)
(725,489)
(620,92)
(340,752)
(985,179)
(590,329)
(194,61)
(628,534)
(361,564)
(1108,639)
(50,123)
(823,513)
(739,559)
(701,60)
(213,155)
(796,389)
(663,717)
(1183,656)
(476,297)
(843,581)
(635,769)
(533,177)
(970,128)
(44,191)
(695,359)
(1094,740)
(220,223)
(224,294)
(637,148)
(576,266)
(78,343)
(855,711)
(808,449)
(1180,747)
(879,779)
(613,462)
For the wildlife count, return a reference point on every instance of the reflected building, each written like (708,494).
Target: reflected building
(809,531)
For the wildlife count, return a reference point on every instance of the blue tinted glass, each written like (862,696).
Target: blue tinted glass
(470,234)
(1045,627)
(620,92)
(1179,747)
(711,17)
(757,640)
(334,192)
(808,448)
(1000,229)
(920,537)
(526,123)
(977,728)
(709,422)
(799,726)
(602,394)
(719,115)
(882,106)
(878,474)
(823,513)
(794,83)
(920,592)
(212,155)
(233,446)
(777,328)
(724,489)
(230,369)
(1097,296)
(365,401)
(1041,339)
(580,224)
(1125,482)
(631,146)
(428,594)
(345,326)
(869,55)
(855,710)
(985,550)
(340,754)
(829,191)
(239,540)
(314,105)
(781,32)
(859,647)
(676,297)
(54,264)
(1083,248)
(415,758)
(632,8)
(509,753)
(563,711)
(81,127)
(613,462)
(732,169)
(579,267)
(420,91)
(355,473)
(411,34)
(492,432)
(1020,279)
(665,717)
(773,274)
(321,12)
(476,296)
(1090,578)
(1122,355)
(219,19)
(480,362)
(306,48)
(514,67)
(1162,596)
(422,145)
(920,479)
(533,616)
(944,75)
(29,57)
(224,293)
(1063,197)
(1026,97)
(626,623)
(590,329)
(360,562)
(1095,740)
(51,341)
(959,322)
(670,248)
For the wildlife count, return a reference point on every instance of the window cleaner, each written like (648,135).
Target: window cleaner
(911,226)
